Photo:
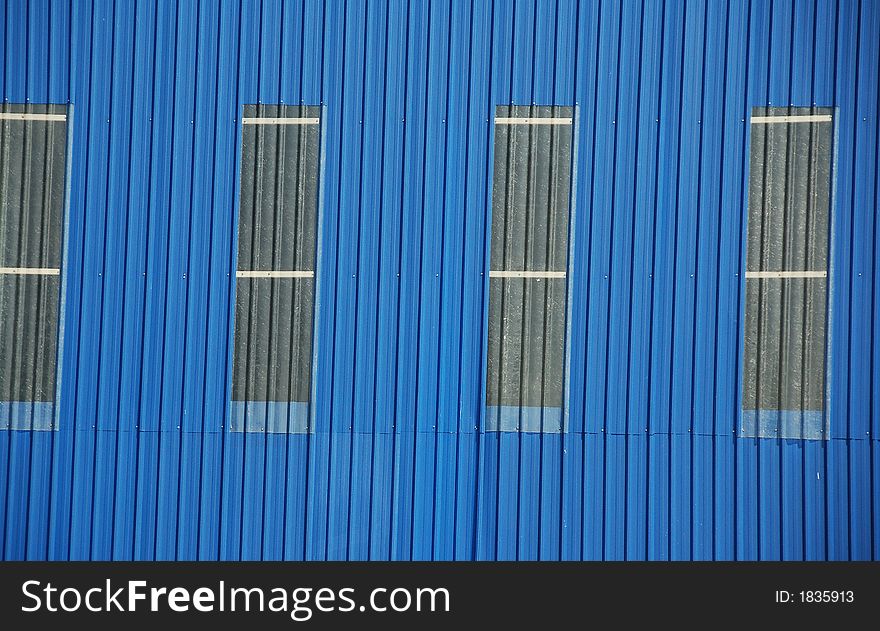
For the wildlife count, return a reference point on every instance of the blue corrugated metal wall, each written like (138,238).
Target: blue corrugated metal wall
(651,467)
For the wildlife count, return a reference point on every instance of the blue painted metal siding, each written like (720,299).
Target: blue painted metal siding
(143,465)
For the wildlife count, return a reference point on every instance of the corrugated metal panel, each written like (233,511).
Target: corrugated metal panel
(143,464)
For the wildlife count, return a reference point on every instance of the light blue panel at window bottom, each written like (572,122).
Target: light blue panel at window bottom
(27,415)
(796,424)
(512,418)
(271,417)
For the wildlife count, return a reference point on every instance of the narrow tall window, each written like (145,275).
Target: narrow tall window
(528,268)
(785,348)
(275,278)
(33,155)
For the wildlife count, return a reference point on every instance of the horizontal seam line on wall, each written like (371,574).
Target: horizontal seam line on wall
(367,432)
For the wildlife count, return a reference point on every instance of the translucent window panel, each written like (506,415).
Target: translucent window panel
(789,191)
(32,181)
(784,367)
(531,187)
(33,152)
(275,285)
(526,341)
(527,268)
(273,339)
(28,336)
(279,190)
(787,255)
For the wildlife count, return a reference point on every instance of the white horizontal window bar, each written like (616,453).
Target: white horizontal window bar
(533,121)
(820,274)
(27,116)
(806,118)
(31,271)
(279,121)
(278,274)
(515,274)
